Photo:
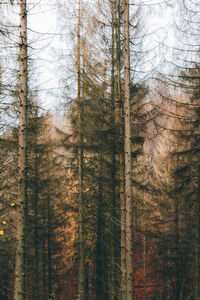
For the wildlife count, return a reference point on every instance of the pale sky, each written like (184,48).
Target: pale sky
(42,19)
(42,22)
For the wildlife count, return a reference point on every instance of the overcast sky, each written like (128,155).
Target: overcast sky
(42,19)
(42,22)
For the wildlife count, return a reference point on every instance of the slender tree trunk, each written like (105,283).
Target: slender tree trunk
(120,122)
(81,284)
(197,267)
(197,251)
(144,264)
(36,238)
(49,245)
(144,250)
(177,245)
(20,282)
(87,273)
(99,244)
(127,151)
(112,285)
(66,287)
(44,262)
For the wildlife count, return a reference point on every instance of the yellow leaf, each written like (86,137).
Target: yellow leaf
(1,232)
(4,222)
(12,204)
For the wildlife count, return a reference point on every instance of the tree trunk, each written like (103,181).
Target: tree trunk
(177,249)
(144,249)
(36,237)
(81,284)
(113,287)
(127,151)
(44,262)
(49,245)
(66,287)
(20,282)
(197,252)
(120,122)
(99,244)
(87,273)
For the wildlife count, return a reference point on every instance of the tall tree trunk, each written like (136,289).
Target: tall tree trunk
(144,249)
(197,262)
(81,283)
(177,249)
(127,151)
(99,244)
(49,245)
(44,262)
(120,122)
(36,237)
(20,282)
(197,251)
(112,285)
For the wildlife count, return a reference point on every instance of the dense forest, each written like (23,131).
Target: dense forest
(100,187)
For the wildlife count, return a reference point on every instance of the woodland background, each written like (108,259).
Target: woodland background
(69,229)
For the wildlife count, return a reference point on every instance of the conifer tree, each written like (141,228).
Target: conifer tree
(20,280)
(81,281)
(128,161)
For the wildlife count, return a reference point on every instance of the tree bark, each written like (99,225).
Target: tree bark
(44,261)
(49,244)
(20,284)
(100,289)
(197,251)
(144,249)
(127,151)
(177,249)
(120,122)
(113,287)
(36,237)
(81,283)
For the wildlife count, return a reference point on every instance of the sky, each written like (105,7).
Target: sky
(45,39)
(42,21)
